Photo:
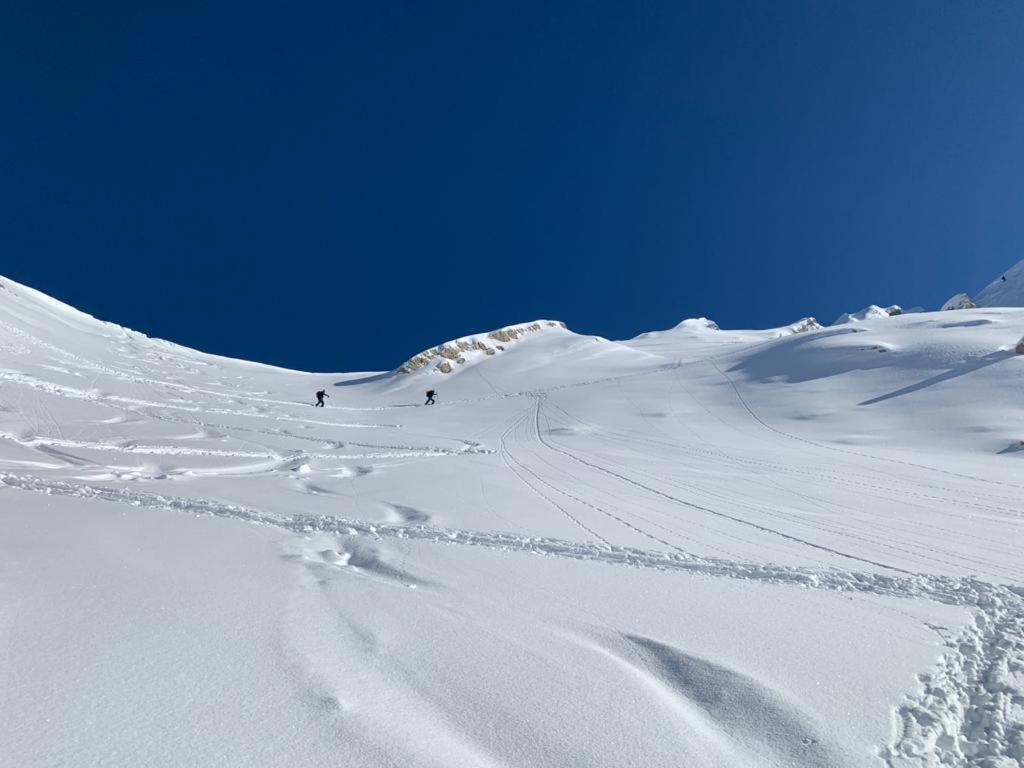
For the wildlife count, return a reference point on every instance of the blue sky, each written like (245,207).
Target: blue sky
(333,186)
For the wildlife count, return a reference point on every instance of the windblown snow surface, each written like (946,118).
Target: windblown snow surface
(795,547)
(1007,290)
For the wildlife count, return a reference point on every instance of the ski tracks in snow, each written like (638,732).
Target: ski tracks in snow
(824,446)
(969,713)
(717,513)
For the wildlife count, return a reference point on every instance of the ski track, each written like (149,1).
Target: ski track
(96,396)
(517,469)
(827,447)
(708,510)
(160,450)
(721,457)
(854,530)
(969,713)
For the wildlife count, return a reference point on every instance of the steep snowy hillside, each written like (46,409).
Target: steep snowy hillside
(1007,290)
(698,547)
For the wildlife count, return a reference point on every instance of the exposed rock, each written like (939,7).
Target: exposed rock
(869,312)
(1020,347)
(960,301)
(804,325)
(459,351)
(511,334)
(699,324)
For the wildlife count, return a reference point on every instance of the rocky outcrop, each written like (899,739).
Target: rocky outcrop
(960,301)
(699,324)
(446,357)
(1019,349)
(802,326)
(869,312)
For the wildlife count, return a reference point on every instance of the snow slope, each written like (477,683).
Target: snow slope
(1007,290)
(699,547)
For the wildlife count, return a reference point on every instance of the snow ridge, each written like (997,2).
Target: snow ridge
(872,311)
(1007,290)
(444,357)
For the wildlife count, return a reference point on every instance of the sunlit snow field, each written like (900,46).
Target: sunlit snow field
(695,548)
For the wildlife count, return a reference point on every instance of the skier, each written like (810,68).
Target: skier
(430,397)
(320,398)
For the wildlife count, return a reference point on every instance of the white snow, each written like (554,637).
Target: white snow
(872,311)
(959,301)
(699,547)
(1007,290)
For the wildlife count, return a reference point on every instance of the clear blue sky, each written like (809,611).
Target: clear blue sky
(333,186)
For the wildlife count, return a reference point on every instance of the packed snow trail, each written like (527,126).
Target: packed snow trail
(699,547)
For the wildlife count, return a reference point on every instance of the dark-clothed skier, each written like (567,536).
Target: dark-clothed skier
(430,397)
(320,398)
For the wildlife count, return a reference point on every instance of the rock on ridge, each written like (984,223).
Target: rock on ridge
(444,358)
(869,312)
(959,301)
(804,325)
(699,324)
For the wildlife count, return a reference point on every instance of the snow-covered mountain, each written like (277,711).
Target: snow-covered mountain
(699,547)
(959,301)
(870,312)
(1007,290)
